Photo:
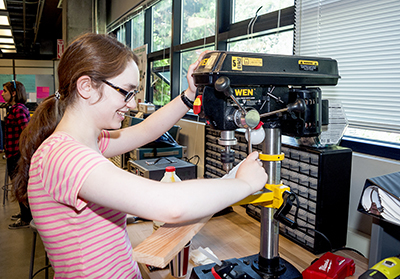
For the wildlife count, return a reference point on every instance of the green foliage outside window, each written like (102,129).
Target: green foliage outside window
(244,9)
(198,19)
(138,30)
(162,16)
(161,89)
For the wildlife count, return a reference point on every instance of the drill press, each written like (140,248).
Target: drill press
(246,90)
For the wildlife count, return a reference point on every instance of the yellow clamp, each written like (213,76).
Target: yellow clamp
(263,196)
(270,196)
(278,190)
(267,157)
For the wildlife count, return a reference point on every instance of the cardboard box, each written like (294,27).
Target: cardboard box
(146,108)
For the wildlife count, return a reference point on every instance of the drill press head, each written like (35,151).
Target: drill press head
(264,83)
(235,89)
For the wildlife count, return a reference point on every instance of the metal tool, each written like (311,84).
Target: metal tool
(237,90)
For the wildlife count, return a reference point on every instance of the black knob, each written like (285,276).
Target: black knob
(223,84)
(299,106)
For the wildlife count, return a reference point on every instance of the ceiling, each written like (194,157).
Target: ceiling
(36,25)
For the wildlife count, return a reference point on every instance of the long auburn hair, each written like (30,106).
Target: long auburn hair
(98,56)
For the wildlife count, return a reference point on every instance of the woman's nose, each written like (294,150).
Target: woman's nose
(132,104)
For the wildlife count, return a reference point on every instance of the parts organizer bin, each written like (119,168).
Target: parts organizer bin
(319,177)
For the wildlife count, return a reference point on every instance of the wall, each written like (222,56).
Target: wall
(120,7)
(192,135)
(43,70)
(359,225)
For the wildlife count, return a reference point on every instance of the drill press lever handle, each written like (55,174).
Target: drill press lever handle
(223,84)
(243,118)
(298,106)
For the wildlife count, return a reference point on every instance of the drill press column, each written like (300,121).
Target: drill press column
(269,226)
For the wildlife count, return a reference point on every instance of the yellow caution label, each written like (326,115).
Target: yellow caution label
(308,65)
(204,62)
(257,62)
(239,62)
(308,62)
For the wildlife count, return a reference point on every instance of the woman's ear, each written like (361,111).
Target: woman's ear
(84,87)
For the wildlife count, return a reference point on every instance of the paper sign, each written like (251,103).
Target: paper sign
(1,97)
(60,48)
(42,92)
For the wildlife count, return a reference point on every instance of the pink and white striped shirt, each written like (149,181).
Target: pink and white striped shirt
(82,239)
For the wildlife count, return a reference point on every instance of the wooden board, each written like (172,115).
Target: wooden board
(236,235)
(162,245)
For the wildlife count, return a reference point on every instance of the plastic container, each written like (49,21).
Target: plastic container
(169,176)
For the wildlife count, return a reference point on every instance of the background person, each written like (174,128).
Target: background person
(16,120)
(79,199)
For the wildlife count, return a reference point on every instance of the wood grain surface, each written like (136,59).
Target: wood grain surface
(234,235)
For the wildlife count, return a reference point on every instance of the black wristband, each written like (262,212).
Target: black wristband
(186,100)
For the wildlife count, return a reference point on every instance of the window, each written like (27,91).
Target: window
(151,23)
(137,30)
(277,43)
(121,34)
(160,82)
(161,28)
(244,9)
(364,38)
(187,58)
(198,19)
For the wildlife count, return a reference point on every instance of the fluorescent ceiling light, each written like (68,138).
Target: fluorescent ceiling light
(4,20)
(9,50)
(2,5)
(5,32)
(7,46)
(6,41)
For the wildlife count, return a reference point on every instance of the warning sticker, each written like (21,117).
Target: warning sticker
(308,65)
(204,62)
(258,62)
(239,62)
(208,63)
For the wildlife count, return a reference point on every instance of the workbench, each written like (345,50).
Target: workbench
(236,235)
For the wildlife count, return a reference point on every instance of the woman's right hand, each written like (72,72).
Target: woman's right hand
(251,171)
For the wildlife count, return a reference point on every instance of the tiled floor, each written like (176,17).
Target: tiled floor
(16,245)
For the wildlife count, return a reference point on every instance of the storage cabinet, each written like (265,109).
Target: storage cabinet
(319,177)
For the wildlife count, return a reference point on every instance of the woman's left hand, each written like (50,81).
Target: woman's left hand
(191,91)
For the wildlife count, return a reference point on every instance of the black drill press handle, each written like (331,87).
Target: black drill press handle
(223,84)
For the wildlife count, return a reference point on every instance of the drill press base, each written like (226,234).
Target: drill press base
(245,266)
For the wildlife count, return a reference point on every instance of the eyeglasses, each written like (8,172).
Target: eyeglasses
(128,95)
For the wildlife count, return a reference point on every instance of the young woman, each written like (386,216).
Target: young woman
(16,120)
(79,198)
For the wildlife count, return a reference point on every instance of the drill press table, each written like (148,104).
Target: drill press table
(236,235)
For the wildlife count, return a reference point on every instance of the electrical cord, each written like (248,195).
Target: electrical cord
(298,227)
(317,232)
(250,26)
(191,158)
